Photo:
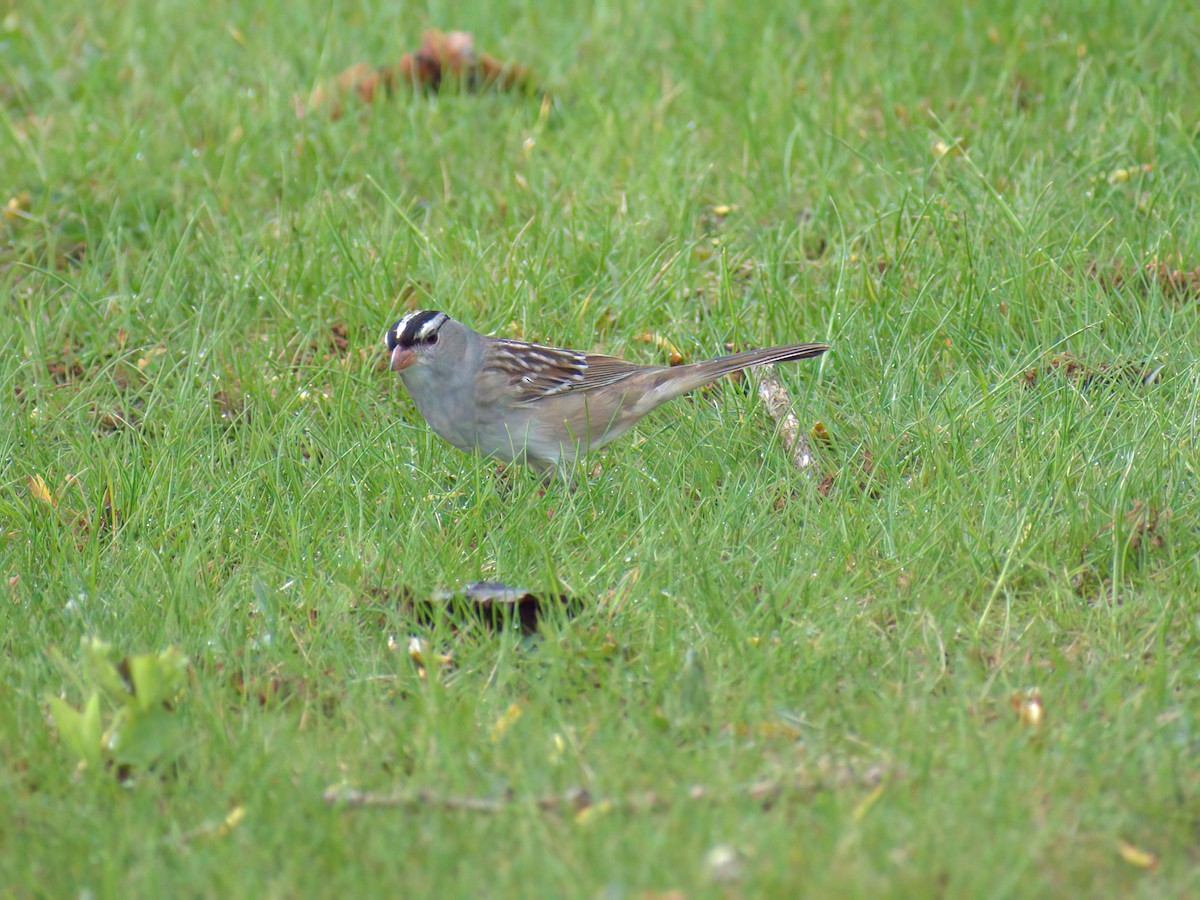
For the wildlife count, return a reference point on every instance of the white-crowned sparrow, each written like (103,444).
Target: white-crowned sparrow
(516,401)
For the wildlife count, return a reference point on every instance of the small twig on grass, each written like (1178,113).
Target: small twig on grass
(779,404)
(215,829)
(574,799)
(578,801)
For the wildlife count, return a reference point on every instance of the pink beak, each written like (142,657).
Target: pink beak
(402,358)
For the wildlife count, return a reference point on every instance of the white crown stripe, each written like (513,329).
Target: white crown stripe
(429,327)
(419,325)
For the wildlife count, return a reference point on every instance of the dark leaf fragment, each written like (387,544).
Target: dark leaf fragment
(497,604)
(1091,375)
(444,59)
(1178,282)
(489,602)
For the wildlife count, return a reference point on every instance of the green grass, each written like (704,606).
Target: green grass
(181,248)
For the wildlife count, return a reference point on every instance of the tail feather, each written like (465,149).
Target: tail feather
(735,362)
(709,370)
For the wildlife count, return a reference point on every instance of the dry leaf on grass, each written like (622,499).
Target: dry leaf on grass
(118,418)
(496,604)
(333,344)
(273,687)
(487,602)
(361,80)
(84,518)
(868,484)
(1142,522)
(444,57)
(38,488)
(1177,281)
(1141,526)
(452,54)
(1088,375)
(1136,856)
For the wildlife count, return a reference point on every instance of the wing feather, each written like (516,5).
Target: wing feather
(536,371)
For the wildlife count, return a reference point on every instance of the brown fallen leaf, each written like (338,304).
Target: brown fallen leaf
(1142,525)
(333,344)
(108,517)
(117,418)
(1143,521)
(1177,281)
(81,516)
(65,371)
(274,688)
(1090,375)
(452,54)
(444,58)
(869,483)
(361,80)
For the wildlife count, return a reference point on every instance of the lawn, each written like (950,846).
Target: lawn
(958,654)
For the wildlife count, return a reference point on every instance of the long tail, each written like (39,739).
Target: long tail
(694,375)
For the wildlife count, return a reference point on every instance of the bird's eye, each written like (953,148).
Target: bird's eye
(431,340)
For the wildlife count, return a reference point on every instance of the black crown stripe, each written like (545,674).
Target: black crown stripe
(418,326)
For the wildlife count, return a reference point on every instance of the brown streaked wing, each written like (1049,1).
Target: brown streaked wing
(537,371)
(602,370)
